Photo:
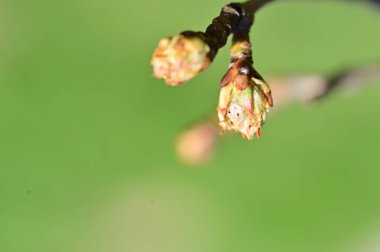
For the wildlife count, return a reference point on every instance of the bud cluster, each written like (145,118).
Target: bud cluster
(245,98)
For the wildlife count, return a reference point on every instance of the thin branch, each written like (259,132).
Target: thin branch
(252,6)
(351,78)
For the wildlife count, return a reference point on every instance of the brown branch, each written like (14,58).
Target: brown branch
(230,21)
(252,6)
(351,78)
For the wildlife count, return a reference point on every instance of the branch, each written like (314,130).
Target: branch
(352,78)
(253,6)
(315,88)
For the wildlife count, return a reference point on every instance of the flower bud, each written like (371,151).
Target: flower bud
(178,59)
(244,110)
(196,145)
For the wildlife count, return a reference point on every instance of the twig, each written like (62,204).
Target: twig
(352,78)
(253,6)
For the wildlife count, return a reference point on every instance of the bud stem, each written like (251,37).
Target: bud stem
(234,18)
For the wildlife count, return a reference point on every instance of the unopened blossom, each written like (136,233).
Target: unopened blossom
(178,59)
(196,145)
(243,104)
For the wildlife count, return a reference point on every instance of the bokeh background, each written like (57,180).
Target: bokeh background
(87,159)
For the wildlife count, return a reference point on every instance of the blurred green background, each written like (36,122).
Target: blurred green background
(86,134)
